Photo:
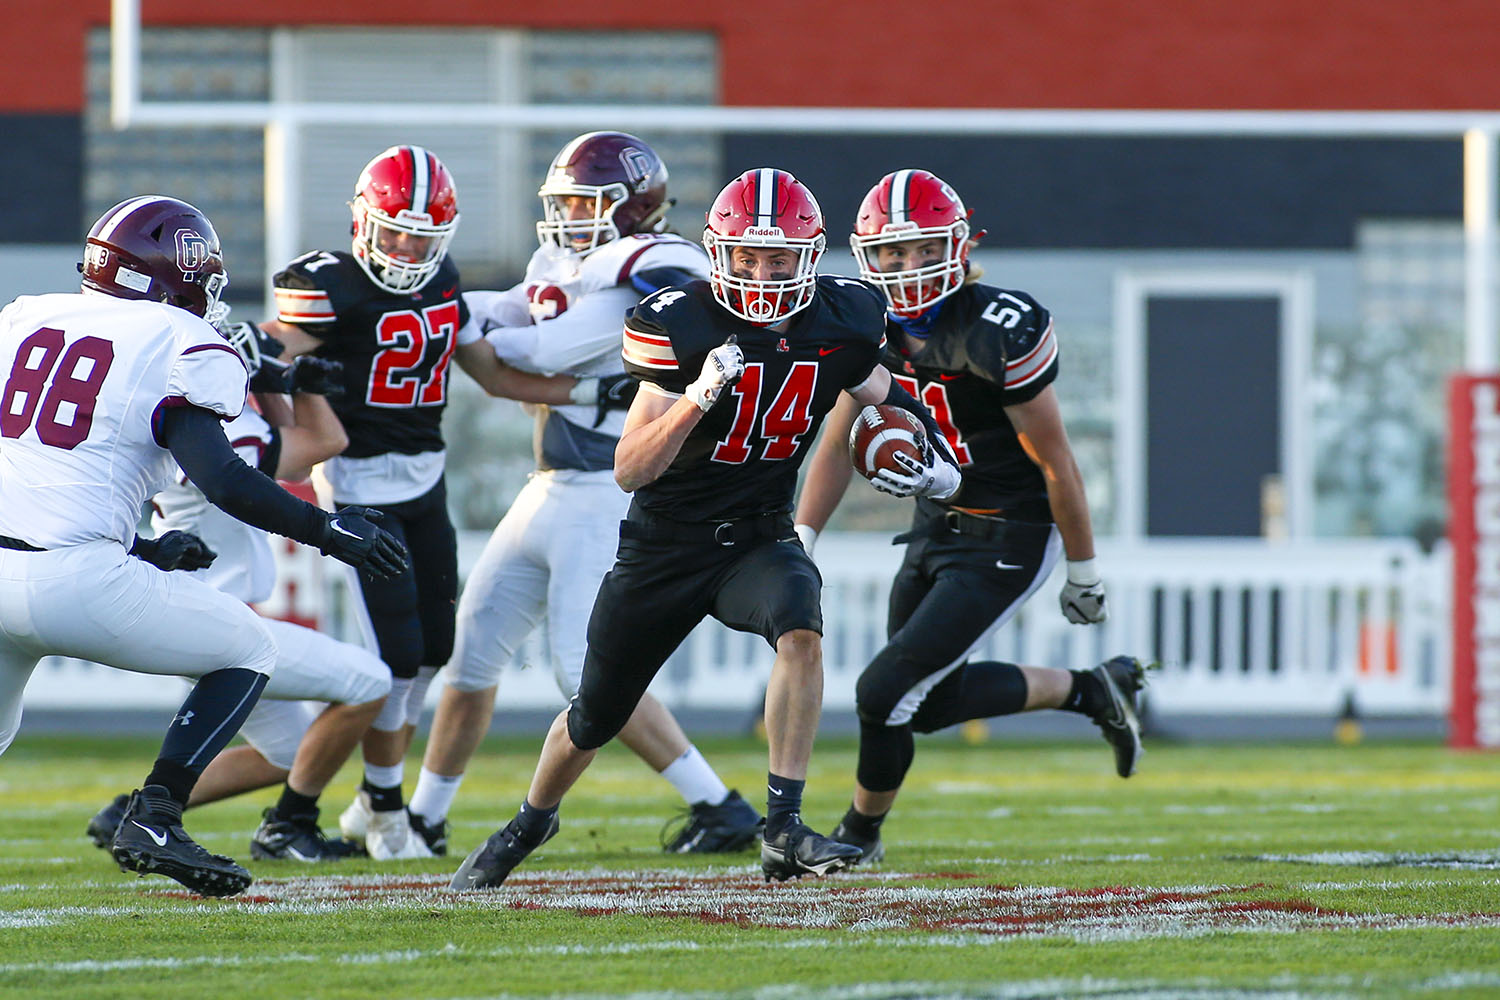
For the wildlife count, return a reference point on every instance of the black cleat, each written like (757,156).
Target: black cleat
(295,838)
(434,835)
(1122,679)
(798,851)
(151,841)
(491,862)
(871,850)
(732,825)
(106,821)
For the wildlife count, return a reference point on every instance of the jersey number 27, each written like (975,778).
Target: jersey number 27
(399,375)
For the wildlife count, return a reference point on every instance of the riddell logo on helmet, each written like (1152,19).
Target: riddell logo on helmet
(766,232)
(192,251)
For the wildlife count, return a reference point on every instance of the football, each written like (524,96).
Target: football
(879,433)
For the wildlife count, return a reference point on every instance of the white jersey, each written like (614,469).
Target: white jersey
(567,316)
(85,376)
(246,564)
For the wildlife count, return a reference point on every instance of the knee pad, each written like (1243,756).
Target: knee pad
(885,683)
(393,713)
(589,731)
(416,695)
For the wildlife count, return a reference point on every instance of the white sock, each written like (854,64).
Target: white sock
(380,776)
(694,780)
(434,795)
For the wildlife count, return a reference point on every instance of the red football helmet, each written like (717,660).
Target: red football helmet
(158,248)
(405,212)
(626,180)
(907,207)
(764,207)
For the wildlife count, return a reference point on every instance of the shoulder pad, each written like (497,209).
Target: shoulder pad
(305,289)
(855,304)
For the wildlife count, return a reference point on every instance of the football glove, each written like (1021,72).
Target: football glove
(252,344)
(354,536)
(174,550)
(723,367)
(935,478)
(1082,597)
(616,392)
(317,376)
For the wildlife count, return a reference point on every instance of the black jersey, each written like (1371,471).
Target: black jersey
(988,349)
(395,348)
(742,457)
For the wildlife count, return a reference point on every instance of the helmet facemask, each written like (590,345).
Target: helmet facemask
(763,301)
(583,235)
(910,291)
(378,234)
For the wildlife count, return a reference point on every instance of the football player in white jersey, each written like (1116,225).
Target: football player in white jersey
(603,247)
(324,693)
(102,391)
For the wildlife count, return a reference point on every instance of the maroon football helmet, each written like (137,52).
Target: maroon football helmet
(626,180)
(405,209)
(158,248)
(764,207)
(901,213)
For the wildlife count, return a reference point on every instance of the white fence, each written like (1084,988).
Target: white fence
(1238,625)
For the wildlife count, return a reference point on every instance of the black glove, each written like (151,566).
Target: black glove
(356,537)
(319,376)
(616,392)
(174,550)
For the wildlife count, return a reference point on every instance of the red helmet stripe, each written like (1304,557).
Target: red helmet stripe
(901,195)
(765,197)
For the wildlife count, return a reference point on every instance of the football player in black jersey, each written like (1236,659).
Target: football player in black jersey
(983,360)
(737,372)
(391,312)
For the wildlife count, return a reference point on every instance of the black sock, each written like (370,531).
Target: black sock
(533,823)
(383,799)
(296,804)
(783,803)
(862,826)
(210,716)
(176,779)
(1086,696)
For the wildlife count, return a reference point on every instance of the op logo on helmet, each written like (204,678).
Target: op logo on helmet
(192,252)
(637,166)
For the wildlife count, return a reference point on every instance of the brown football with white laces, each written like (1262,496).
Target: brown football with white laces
(879,434)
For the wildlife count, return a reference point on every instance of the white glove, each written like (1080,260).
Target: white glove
(938,480)
(807,535)
(585,393)
(1082,597)
(723,366)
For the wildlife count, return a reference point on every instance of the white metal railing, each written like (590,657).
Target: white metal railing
(1238,625)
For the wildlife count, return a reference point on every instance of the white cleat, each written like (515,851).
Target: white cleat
(354,822)
(391,838)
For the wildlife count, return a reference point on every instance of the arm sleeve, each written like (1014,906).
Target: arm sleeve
(196,440)
(589,331)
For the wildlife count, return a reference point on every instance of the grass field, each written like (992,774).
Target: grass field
(1013,870)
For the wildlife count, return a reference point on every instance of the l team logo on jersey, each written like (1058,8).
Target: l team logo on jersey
(192,251)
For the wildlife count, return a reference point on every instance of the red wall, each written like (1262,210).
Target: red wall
(1270,54)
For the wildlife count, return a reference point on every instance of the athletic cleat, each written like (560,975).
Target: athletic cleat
(106,821)
(798,851)
(732,825)
(390,837)
(434,835)
(871,850)
(354,822)
(295,838)
(1122,678)
(151,841)
(488,864)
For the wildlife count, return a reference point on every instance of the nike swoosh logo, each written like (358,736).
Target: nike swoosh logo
(947,378)
(449,293)
(774,790)
(159,838)
(1002,564)
(823,352)
(341,529)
